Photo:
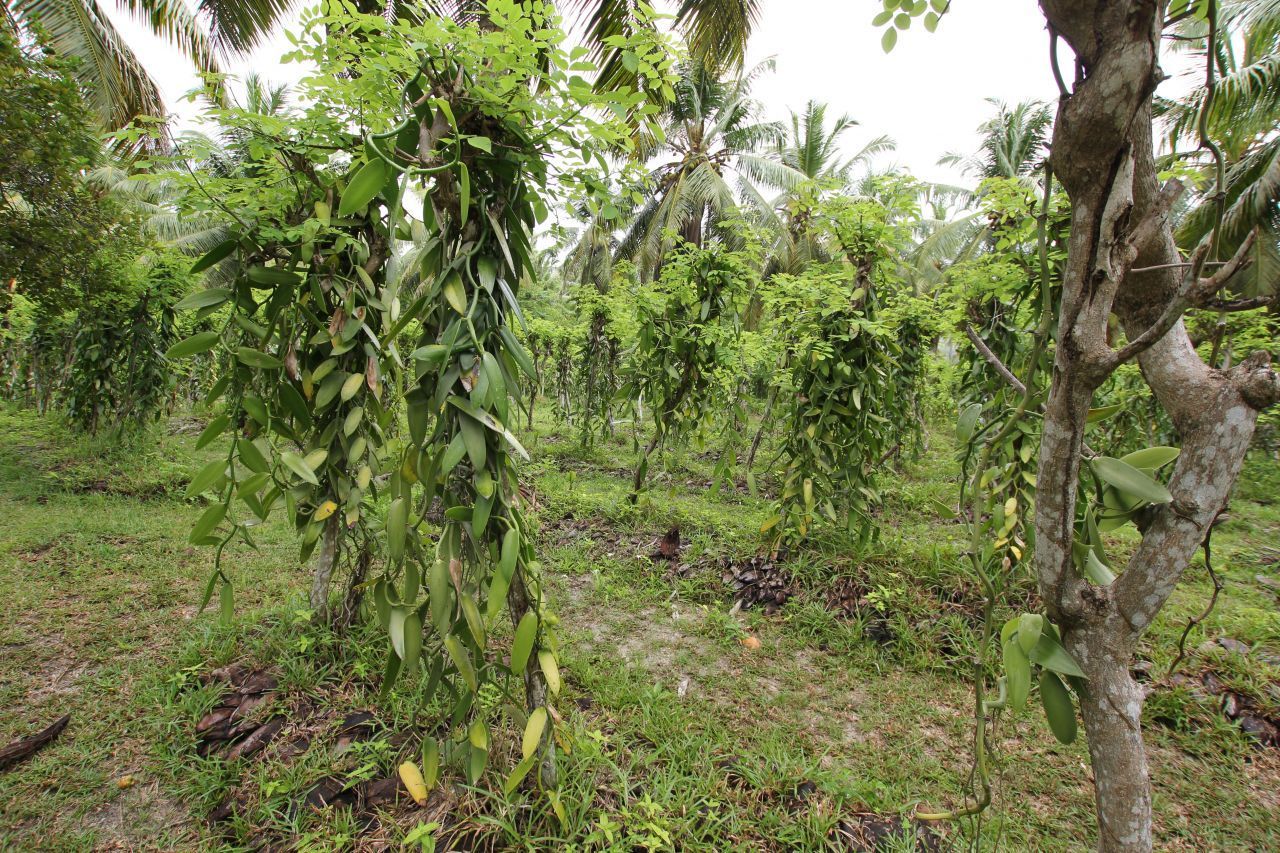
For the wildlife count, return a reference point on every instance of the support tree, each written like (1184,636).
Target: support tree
(1122,261)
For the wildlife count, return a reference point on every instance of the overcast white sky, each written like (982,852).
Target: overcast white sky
(928,94)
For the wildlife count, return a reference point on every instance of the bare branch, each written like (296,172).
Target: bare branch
(994,360)
(1237,305)
(1195,291)
(1208,288)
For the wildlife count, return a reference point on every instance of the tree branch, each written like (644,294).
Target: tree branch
(1237,305)
(994,360)
(1195,291)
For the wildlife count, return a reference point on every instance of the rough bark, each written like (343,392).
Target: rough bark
(1102,153)
(326,561)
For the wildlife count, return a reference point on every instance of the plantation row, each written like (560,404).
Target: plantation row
(361,284)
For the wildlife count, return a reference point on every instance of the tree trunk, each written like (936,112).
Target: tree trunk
(326,561)
(1111,705)
(764,422)
(1122,259)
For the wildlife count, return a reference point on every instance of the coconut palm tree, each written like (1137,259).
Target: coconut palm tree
(118,86)
(810,151)
(1242,120)
(808,157)
(1014,142)
(709,126)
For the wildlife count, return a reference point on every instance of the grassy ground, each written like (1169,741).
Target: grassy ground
(682,736)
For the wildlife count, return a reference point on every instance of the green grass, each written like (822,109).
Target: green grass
(681,736)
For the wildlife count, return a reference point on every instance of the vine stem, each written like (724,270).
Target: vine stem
(1196,620)
(980,706)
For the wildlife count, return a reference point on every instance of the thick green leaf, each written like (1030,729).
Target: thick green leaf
(471,612)
(441,591)
(430,762)
(226,603)
(518,773)
(487,272)
(412,627)
(1130,480)
(477,760)
(464,193)
(397,528)
(1050,654)
(473,438)
(455,293)
(550,670)
(522,644)
(352,422)
(489,421)
(517,351)
(1058,707)
(351,385)
(1096,570)
(258,358)
(1017,672)
(365,184)
(273,276)
(197,343)
(203,299)
(206,477)
(533,730)
(510,553)
(1150,459)
(968,419)
(395,628)
(207,522)
(297,465)
(1102,413)
(1029,628)
(218,253)
(255,408)
(453,454)
(498,586)
(478,734)
(295,403)
(214,429)
(462,660)
(251,456)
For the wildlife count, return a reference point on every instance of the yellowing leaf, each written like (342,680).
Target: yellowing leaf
(550,670)
(411,776)
(533,732)
(455,292)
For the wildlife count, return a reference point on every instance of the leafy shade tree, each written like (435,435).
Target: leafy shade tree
(685,320)
(99,293)
(1122,261)
(51,224)
(710,124)
(847,403)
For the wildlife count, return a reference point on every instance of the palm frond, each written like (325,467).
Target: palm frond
(241,25)
(1252,200)
(718,30)
(119,87)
